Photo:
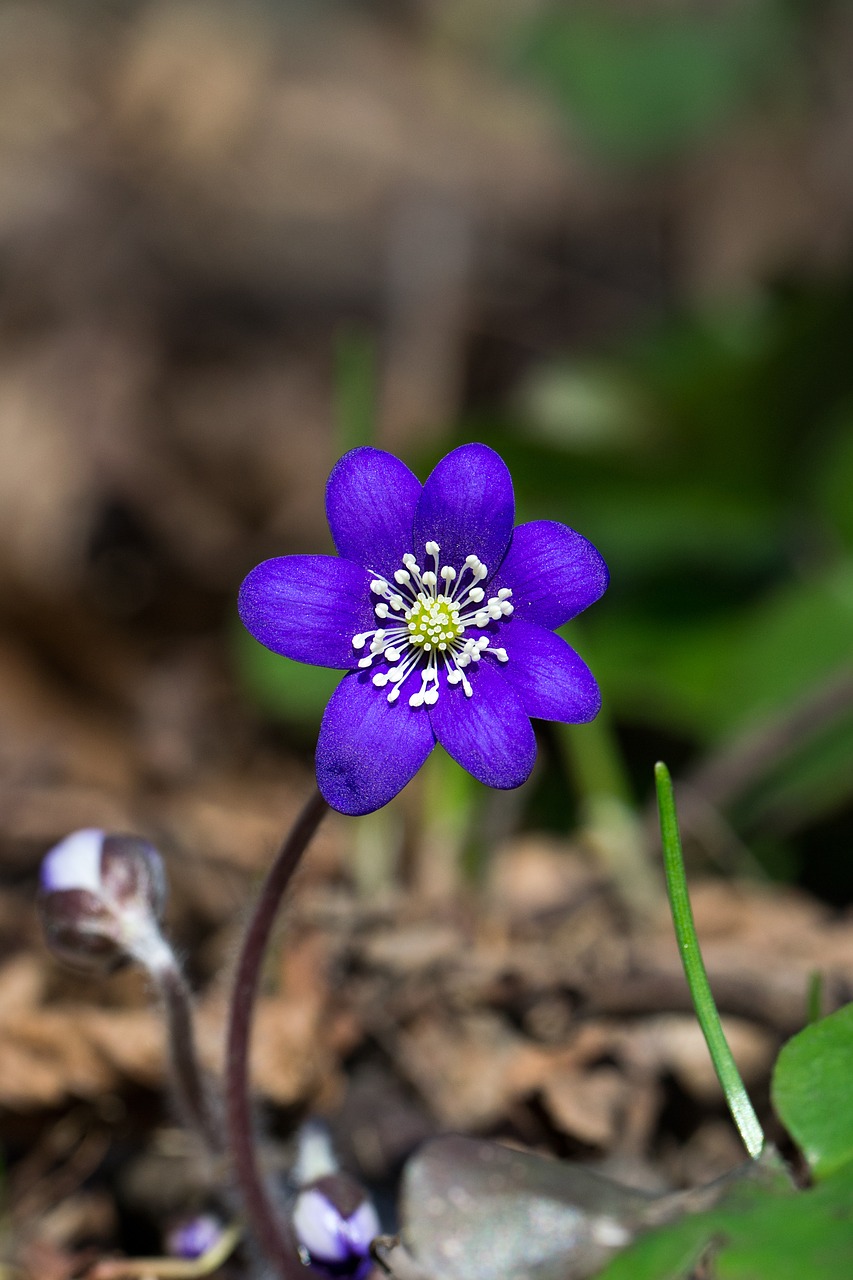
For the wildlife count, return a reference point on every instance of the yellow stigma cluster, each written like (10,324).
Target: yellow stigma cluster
(433,623)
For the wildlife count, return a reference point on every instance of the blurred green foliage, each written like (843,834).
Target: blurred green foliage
(642,85)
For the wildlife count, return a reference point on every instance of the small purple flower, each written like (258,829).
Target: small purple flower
(443,616)
(334,1224)
(193,1237)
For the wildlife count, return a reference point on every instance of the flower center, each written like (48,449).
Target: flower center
(434,622)
(426,627)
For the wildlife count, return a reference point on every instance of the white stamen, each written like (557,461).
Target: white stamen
(430,614)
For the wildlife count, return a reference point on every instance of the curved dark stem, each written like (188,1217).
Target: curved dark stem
(193,1096)
(272,1235)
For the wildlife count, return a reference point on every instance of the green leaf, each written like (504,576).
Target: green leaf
(811,1091)
(757,1233)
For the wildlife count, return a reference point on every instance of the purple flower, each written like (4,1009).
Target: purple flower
(443,616)
(193,1237)
(334,1224)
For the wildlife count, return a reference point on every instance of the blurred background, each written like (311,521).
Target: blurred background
(611,239)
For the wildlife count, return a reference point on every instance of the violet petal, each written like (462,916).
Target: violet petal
(467,507)
(553,682)
(308,608)
(371,498)
(368,748)
(489,734)
(554,573)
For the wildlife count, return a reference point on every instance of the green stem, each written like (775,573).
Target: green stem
(737,1099)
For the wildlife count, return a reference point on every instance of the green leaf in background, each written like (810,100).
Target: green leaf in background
(642,85)
(283,689)
(757,1233)
(811,1092)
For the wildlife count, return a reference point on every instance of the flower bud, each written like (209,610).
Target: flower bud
(101,901)
(194,1236)
(335,1223)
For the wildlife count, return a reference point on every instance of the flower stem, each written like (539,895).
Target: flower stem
(737,1099)
(264,1221)
(193,1096)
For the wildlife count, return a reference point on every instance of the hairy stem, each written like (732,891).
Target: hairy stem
(737,1098)
(193,1096)
(271,1233)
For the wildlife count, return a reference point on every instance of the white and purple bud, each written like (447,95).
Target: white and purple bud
(194,1237)
(101,901)
(335,1223)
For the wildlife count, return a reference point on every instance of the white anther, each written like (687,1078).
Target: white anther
(428,623)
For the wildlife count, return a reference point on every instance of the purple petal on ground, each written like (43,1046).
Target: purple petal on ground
(371,498)
(554,573)
(467,507)
(308,608)
(549,677)
(368,748)
(489,734)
